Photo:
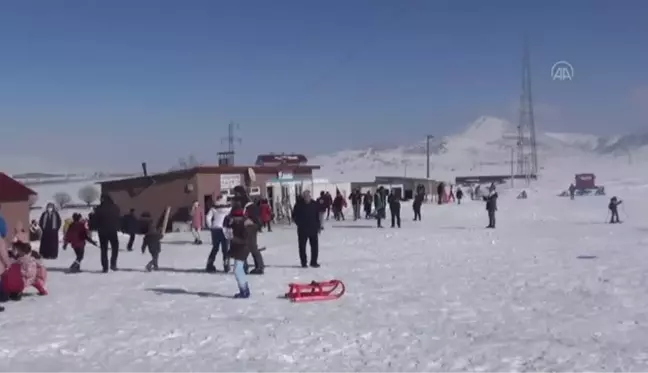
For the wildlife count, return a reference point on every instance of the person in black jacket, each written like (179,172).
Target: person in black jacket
(459,195)
(440,193)
(306,215)
(394,208)
(368,203)
(152,240)
(356,202)
(108,221)
(491,207)
(614,211)
(417,203)
(380,203)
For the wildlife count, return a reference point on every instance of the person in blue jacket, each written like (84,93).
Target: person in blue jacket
(3,226)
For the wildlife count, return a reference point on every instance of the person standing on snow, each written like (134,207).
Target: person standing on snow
(339,203)
(237,230)
(329,204)
(614,211)
(197,222)
(321,202)
(491,207)
(380,203)
(417,203)
(394,208)
(356,202)
(152,240)
(107,219)
(367,202)
(440,193)
(572,191)
(3,227)
(50,223)
(266,214)
(252,212)
(306,214)
(459,195)
(216,223)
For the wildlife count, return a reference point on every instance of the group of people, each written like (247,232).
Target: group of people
(374,205)
(20,266)
(234,226)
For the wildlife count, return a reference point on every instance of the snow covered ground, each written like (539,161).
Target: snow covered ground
(553,288)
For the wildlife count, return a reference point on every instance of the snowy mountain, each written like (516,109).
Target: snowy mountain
(484,145)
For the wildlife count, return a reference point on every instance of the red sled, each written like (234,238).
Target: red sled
(316,291)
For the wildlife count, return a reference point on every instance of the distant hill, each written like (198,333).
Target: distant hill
(483,147)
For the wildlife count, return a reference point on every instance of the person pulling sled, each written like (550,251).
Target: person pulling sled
(614,210)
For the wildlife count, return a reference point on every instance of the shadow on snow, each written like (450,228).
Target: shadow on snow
(161,269)
(175,291)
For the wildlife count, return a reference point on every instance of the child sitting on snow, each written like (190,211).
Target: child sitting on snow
(25,271)
(35,231)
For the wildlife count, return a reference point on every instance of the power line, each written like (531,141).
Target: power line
(527,153)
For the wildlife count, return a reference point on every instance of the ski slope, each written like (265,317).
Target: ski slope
(553,288)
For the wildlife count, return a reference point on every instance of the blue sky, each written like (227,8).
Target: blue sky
(112,83)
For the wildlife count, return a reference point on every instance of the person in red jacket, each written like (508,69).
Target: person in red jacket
(77,235)
(266,214)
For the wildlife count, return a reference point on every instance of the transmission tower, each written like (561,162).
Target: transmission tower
(527,152)
(227,158)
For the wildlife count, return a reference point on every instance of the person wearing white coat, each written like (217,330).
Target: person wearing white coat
(216,222)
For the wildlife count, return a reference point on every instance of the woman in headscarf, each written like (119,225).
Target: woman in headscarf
(50,224)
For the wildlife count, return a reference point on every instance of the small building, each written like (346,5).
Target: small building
(179,189)
(277,159)
(15,200)
(488,179)
(405,186)
(585,181)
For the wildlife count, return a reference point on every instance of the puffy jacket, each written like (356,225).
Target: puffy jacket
(76,235)
(266,212)
(216,216)
(3,227)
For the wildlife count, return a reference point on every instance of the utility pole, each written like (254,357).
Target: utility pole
(427,152)
(228,157)
(526,145)
(512,167)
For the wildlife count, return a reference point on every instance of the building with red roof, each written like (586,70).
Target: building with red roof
(14,202)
